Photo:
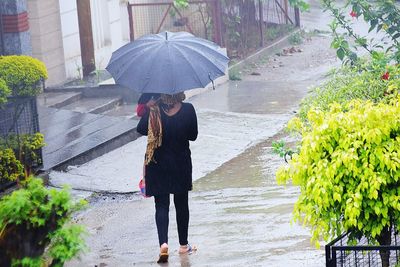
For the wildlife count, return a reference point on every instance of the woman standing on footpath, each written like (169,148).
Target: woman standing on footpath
(170,125)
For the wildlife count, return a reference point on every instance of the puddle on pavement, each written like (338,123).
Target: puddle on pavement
(240,211)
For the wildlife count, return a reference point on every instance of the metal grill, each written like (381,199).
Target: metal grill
(338,253)
(240,26)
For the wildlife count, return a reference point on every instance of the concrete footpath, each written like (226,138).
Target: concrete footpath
(239,216)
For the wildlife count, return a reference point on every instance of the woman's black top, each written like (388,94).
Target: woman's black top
(170,172)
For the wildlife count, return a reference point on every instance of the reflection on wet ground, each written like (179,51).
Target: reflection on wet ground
(239,217)
(248,216)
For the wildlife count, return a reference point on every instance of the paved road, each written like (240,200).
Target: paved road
(239,216)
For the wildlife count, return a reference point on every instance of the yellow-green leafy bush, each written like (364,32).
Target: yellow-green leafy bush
(10,168)
(26,148)
(22,74)
(348,170)
(4,91)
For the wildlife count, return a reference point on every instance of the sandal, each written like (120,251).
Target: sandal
(189,250)
(163,257)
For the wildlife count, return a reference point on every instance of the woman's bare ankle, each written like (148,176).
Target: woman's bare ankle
(183,248)
(164,247)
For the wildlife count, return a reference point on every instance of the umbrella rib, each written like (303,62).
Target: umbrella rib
(129,62)
(204,56)
(191,66)
(150,69)
(130,49)
(210,48)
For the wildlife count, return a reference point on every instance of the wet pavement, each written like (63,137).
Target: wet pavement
(239,215)
(72,135)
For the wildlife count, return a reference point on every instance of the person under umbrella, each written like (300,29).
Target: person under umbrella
(168,63)
(169,125)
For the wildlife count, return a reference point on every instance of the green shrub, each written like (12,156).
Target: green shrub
(4,91)
(348,171)
(235,74)
(296,38)
(350,83)
(23,74)
(26,147)
(11,169)
(35,224)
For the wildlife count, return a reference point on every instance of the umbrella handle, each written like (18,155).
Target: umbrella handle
(212,81)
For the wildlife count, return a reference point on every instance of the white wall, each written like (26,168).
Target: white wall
(110,31)
(71,40)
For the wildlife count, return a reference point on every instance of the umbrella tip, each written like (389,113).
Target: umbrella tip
(166,35)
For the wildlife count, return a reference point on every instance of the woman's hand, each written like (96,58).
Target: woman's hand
(152,102)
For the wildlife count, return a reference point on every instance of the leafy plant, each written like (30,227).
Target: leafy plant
(22,74)
(181,3)
(26,148)
(4,91)
(348,171)
(382,16)
(234,75)
(35,225)
(11,169)
(375,80)
(296,38)
(279,148)
(302,5)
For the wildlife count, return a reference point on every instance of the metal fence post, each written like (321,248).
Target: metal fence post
(217,38)
(261,18)
(297,16)
(131,29)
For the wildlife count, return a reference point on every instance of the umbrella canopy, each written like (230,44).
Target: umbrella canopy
(167,63)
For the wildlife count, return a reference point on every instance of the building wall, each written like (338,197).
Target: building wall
(45,30)
(110,31)
(16,39)
(70,39)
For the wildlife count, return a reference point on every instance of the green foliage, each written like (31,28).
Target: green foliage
(234,75)
(302,5)
(181,3)
(347,83)
(296,38)
(26,147)
(348,170)
(34,208)
(4,91)
(382,16)
(278,147)
(22,74)
(27,262)
(67,242)
(11,169)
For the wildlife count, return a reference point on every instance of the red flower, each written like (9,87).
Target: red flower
(353,14)
(385,76)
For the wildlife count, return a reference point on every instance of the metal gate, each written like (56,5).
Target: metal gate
(199,18)
(240,26)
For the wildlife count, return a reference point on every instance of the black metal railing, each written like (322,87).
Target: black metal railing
(19,116)
(339,253)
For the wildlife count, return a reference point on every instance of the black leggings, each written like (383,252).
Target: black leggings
(182,217)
